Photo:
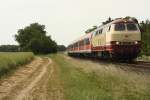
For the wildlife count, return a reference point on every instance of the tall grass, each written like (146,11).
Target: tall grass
(100,84)
(9,61)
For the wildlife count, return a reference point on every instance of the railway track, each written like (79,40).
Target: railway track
(139,64)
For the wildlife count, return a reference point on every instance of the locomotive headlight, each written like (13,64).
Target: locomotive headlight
(136,42)
(117,43)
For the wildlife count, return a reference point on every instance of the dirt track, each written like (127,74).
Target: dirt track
(30,82)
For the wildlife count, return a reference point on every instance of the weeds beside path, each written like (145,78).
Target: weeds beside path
(85,80)
(12,60)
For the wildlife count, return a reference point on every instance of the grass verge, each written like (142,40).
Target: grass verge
(144,58)
(10,61)
(105,85)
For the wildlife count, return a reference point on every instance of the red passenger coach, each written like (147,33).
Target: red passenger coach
(81,46)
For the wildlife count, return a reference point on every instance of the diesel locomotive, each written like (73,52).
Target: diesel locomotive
(119,39)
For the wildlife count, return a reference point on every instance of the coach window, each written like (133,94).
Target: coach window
(79,43)
(70,46)
(87,41)
(75,44)
(101,31)
(82,43)
(96,32)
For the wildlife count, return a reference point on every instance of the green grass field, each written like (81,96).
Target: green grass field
(9,61)
(144,58)
(100,84)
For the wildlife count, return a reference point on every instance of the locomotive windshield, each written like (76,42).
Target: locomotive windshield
(131,27)
(123,27)
(119,27)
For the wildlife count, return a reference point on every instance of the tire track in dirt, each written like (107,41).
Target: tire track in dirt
(25,92)
(19,85)
(7,84)
(40,90)
(49,87)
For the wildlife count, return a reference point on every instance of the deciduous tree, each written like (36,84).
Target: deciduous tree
(33,38)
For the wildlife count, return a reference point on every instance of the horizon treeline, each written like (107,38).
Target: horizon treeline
(145,29)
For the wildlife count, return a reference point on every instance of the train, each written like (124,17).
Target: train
(120,40)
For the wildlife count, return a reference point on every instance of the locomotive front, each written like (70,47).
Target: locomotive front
(124,40)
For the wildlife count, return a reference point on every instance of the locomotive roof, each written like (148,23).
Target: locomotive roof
(119,20)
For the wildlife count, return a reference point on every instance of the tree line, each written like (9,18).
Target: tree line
(145,28)
(9,48)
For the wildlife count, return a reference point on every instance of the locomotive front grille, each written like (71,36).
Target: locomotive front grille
(127,43)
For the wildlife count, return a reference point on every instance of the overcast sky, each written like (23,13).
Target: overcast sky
(65,20)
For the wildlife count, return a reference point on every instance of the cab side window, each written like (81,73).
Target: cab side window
(100,31)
